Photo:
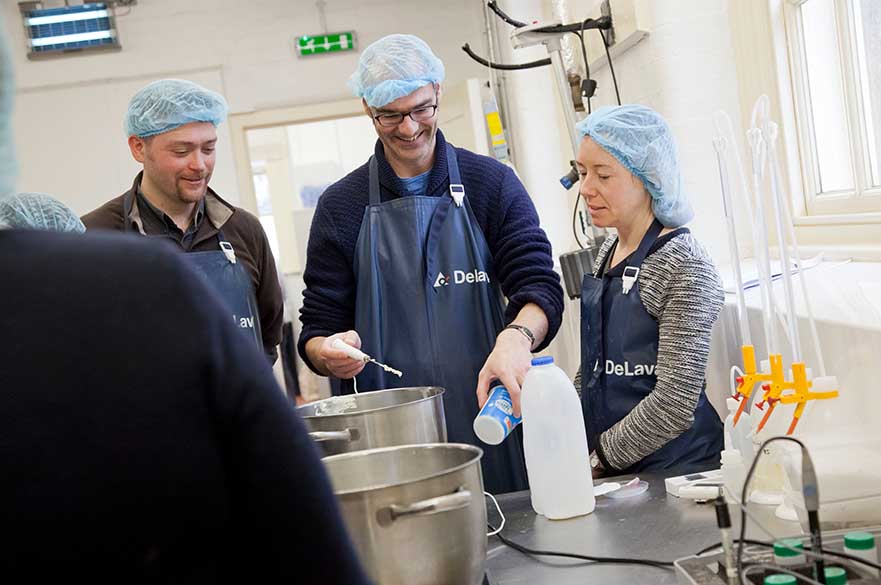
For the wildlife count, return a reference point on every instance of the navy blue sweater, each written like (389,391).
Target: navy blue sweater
(143,439)
(521,252)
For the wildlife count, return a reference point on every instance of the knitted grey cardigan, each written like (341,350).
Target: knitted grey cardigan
(681,288)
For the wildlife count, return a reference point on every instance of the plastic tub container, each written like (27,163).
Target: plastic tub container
(786,552)
(862,545)
(835,576)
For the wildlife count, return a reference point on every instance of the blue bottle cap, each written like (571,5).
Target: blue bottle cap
(542,361)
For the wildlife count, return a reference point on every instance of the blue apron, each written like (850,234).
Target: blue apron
(619,350)
(225,276)
(429,304)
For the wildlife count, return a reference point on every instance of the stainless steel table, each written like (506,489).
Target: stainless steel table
(654,525)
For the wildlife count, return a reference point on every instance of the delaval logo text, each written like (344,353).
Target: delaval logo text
(626,369)
(461,277)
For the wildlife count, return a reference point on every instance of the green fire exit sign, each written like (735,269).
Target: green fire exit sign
(330,43)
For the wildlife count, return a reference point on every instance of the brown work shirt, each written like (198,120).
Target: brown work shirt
(240,228)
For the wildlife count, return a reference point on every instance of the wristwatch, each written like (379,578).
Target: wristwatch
(595,462)
(525,331)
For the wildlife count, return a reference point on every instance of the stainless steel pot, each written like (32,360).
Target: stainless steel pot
(416,513)
(383,418)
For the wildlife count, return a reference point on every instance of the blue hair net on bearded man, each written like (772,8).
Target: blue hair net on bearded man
(167,104)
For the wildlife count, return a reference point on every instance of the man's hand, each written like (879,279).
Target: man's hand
(509,361)
(334,362)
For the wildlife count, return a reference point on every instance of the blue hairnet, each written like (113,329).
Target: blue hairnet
(8,167)
(642,141)
(40,212)
(167,104)
(392,67)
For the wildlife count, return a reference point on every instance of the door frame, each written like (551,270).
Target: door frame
(239,124)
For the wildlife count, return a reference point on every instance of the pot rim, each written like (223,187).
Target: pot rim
(377,409)
(477,452)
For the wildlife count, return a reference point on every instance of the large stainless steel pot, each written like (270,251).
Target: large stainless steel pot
(384,418)
(416,513)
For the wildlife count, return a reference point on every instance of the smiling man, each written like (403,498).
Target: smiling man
(172,131)
(411,255)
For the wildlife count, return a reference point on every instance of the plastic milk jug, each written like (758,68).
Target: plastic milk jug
(555,443)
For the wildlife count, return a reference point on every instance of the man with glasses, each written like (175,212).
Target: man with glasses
(411,254)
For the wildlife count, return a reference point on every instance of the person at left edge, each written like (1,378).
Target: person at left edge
(171,128)
(39,211)
(409,256)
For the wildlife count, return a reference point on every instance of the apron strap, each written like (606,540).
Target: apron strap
(631,271)
(457,189)
(457,195)
(375,198)
(126,210)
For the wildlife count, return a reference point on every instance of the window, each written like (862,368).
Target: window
(834,49)
(52,31)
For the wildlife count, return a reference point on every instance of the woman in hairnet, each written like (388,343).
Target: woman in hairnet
(39,211)
(648,309)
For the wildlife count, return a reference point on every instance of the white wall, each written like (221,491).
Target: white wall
(69,111)
(684,69)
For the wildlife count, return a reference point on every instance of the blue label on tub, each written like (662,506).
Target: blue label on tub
(500,408)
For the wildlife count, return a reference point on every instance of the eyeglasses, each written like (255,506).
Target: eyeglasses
(422,114)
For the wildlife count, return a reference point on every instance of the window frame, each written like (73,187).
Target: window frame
(864,198)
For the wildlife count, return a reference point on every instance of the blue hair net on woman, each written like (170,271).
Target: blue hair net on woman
(392,67)
(640,139)
(167,104)
(40,212)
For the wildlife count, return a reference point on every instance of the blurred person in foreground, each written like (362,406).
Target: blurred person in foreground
(138,449)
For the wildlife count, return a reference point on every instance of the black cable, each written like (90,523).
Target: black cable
(575,224)
(666,565)
(603,22)
(580,36)
(719,545)
(852,558)
(502,66)
(827,552)
(495,8)
(743,500)
(611,67)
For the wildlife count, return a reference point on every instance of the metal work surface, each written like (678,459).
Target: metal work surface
(653,525)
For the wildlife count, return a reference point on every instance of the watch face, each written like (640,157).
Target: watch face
(594,460)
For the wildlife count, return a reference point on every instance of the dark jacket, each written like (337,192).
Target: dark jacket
(243,231)
(521,252)
(133,453)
